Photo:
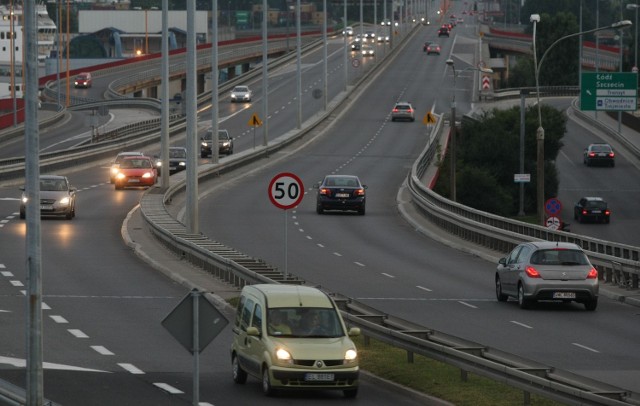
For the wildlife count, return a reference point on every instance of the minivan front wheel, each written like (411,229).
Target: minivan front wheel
(239,375)
(267,389)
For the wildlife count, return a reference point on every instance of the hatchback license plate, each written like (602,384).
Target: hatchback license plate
(342,194)
(596,212)
(318,377)
(134,180)
(564,295)
(47,207)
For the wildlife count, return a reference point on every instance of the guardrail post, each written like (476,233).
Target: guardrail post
(526,401)
(410,357)
(464,375)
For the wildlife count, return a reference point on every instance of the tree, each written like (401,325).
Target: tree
(487,159)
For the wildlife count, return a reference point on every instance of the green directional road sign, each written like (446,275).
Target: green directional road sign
(605,91)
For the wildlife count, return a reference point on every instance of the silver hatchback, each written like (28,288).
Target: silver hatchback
(545,270)
(403,111)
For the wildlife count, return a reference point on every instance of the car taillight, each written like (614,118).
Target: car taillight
(395,110)
(410,110)
(611,154)
(359,192)
(592,154)
(593,274)
(324,191)
(584,211)
(531,272)
(607,212)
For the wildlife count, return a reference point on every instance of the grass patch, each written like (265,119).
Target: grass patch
(438,379)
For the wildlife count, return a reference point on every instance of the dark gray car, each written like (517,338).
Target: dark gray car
(545,270)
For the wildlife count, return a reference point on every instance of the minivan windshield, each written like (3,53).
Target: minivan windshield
(304,322)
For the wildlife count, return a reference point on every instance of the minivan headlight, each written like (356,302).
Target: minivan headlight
(351,355)
(283,355)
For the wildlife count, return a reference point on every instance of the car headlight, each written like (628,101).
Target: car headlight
(24,199)
(159,163)
(204,144)
(183,164)
(233,96)
(120,175)
(226,144)
(350,356)
(65,201)
(283,356)
(147,175)
(114,170)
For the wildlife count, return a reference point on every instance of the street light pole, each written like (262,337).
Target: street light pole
(535,18)
(635,7)
(453,138)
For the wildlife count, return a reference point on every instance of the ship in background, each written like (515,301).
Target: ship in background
(11,24)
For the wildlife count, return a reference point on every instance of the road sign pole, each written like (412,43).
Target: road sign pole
(285,245)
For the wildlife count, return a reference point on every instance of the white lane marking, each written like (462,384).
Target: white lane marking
(101,350)
(77,333)
(168,388)
(4,221)
(467,304)
(58,319)
(359,263)
(132,369)
(2,266)
(585,347)
(337,254)
(309,237)
(387,275)
(16,283)
(21,363)
(10,198)
(520,324)
(45,306)
(301,230)
(7,274)
(423,288)
(320,245)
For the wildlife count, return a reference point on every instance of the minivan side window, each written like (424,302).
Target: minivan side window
(256,321)
(246,314)
(239,310)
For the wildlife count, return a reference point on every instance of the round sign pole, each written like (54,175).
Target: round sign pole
(285,192)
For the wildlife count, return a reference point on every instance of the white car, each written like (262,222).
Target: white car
(241,94)
(367,50)
(348,31)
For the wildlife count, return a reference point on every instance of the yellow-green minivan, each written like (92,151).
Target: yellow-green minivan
(293,337)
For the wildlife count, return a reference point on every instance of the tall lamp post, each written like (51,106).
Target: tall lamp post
(635,41)
(535,19)
(452,141)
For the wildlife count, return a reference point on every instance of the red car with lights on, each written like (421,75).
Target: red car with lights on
(136,171)
(83,80)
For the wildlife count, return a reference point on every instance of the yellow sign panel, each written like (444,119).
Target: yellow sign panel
(429,118)
(255,121)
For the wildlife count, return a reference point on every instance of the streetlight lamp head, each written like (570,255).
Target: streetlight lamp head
(632,6)
(535,18)
(622,24)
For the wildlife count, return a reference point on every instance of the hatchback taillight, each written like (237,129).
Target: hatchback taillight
(611,155)
(607,212)
(531,272)
(359,192)
(593,274)
(592,154)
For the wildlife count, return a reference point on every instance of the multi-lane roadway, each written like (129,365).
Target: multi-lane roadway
(104,306)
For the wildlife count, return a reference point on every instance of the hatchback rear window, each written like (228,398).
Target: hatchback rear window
(559,257)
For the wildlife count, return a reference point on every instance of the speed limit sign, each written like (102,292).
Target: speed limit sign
(286,190)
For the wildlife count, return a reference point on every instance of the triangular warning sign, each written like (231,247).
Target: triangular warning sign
(255,121)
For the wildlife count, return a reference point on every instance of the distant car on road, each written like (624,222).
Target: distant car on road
(547,270)
(115,164)
(177,160)
(83,80)
(241,94)
(355,46)
(136,171)
(600,153)
(367,50)
(443,32)
(57,197)
(341,192)
(433,49)
(592,208)
(348,31)
(225,143)
(403,111)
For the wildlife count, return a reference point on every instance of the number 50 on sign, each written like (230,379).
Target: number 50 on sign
(286,190)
